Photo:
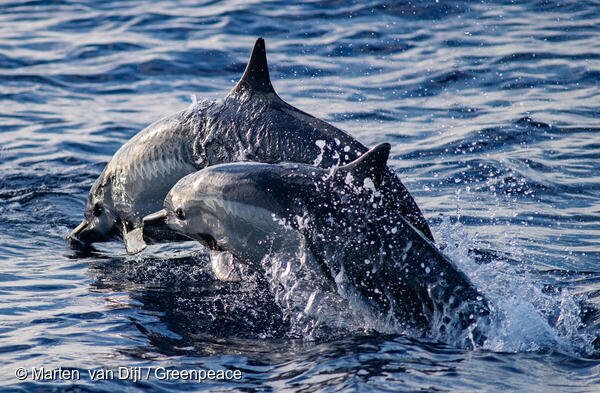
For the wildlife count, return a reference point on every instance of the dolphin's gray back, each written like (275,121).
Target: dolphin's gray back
(261,127)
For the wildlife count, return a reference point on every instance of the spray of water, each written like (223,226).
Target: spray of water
(315,308)
(526,318)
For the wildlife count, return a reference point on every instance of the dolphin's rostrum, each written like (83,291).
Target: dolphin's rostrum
(251,209)
(251,123)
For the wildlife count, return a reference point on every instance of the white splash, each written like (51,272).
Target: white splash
(520,309)
(313,307)
(321,145)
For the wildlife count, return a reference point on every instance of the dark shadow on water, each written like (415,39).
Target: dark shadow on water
(194,314)
(198,314)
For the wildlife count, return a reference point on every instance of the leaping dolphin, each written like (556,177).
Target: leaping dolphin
(251,123)
(249,209)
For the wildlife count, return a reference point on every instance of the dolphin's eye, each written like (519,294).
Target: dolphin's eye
(97,209)
(180,214)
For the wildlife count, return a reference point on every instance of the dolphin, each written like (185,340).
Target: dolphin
(251,123)
(249,209)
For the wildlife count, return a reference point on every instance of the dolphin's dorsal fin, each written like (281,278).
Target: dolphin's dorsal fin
(256,76)
(372,164)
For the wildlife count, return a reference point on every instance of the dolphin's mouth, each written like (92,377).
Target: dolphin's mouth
(82,235)
(76,232)
(75,242)
(208,241)
(155,224)
(156,229)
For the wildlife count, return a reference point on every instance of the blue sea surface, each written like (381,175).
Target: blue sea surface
(493,112)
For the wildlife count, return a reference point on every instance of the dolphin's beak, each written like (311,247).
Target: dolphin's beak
(158,217)
(73,236)
(155,228)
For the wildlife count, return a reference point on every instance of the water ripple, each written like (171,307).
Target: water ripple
(494,126)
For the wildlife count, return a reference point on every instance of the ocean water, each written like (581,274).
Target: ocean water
(493,113)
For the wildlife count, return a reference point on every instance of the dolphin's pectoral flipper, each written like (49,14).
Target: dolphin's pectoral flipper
(225,266)
(134,239)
